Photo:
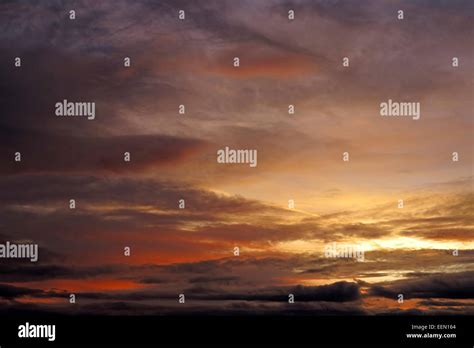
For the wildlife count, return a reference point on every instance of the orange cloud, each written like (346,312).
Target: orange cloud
(258,62)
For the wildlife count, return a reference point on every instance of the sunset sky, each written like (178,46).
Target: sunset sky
(408,250)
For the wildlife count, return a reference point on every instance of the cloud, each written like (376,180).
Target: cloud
(256,62)
(17,272)
(337,292)
(454,286)
(12,292)
(92,155)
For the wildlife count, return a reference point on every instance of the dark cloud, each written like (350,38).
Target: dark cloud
(125,190)
(201,309)
(454,286)
(49,153)
(226,280)
(337,292)
(12,292)
(16,272)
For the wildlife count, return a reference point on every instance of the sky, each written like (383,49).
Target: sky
(424,251)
